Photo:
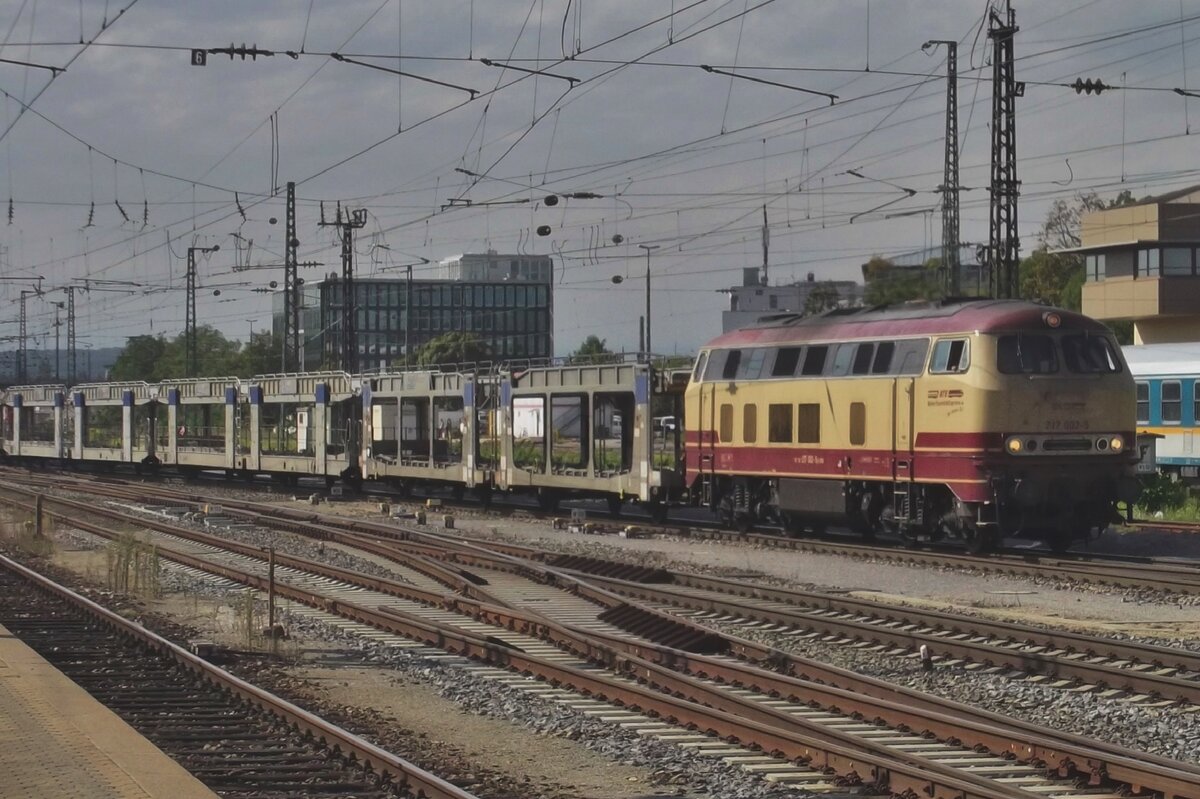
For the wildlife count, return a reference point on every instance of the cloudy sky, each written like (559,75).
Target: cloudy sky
(113,167)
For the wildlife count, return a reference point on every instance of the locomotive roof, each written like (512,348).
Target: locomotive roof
(909,319)
(1163,360)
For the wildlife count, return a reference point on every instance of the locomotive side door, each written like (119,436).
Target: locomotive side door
(902,427)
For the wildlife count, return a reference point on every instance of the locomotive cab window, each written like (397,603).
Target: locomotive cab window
(1086,354)
(698,372)
(1171,402)
(1143,403)
(951,356)
(1026,354)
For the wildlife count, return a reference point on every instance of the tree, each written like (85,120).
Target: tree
(822,297)
(259,356)
(140,360)
(593,350)
(888,284)
(453,347)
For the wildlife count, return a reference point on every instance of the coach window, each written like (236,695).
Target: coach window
(749,423)
(1143,403)
(883,358)
(732,360)
(814,361)
(779,424)
(951,356)
(1171,402)
(698,372)
(726,427)
(809,429)
(858,424)
(786,360)
(863,353)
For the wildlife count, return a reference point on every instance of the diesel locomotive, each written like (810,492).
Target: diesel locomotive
(972,420)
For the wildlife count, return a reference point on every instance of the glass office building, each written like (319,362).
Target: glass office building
(511,311)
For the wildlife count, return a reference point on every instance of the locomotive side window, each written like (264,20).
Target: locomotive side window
(883,358)
(858,424)
(726,425)
(749,423)
(752,364)
(814,361)
(841,360)
(733,359)
(951,356)
(809,429)
(786,360)
(779,424)
(862,358)
(910,357)
(1143,403)
(1090,355)
(1026,354)
(1171,403)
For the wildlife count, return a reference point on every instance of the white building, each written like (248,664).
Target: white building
(494,267)
(751,301)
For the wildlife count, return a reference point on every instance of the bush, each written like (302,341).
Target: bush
(1160,493)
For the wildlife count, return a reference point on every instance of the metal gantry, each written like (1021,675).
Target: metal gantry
(1003,242)
(190,321)
(291,287)
(952,269)
(347,224)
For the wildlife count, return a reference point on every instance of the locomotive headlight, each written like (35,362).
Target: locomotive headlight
(1013,445)
(1117,443)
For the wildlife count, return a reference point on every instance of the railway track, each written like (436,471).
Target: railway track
(782,705)
(1143,574)
(237,739)
(1142,671)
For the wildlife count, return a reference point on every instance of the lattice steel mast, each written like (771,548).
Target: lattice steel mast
(1003,242)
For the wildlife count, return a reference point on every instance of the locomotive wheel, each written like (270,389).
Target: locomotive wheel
(909,536)
(979,540)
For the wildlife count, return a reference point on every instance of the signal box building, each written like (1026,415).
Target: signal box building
(505,300)
(1142,265)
